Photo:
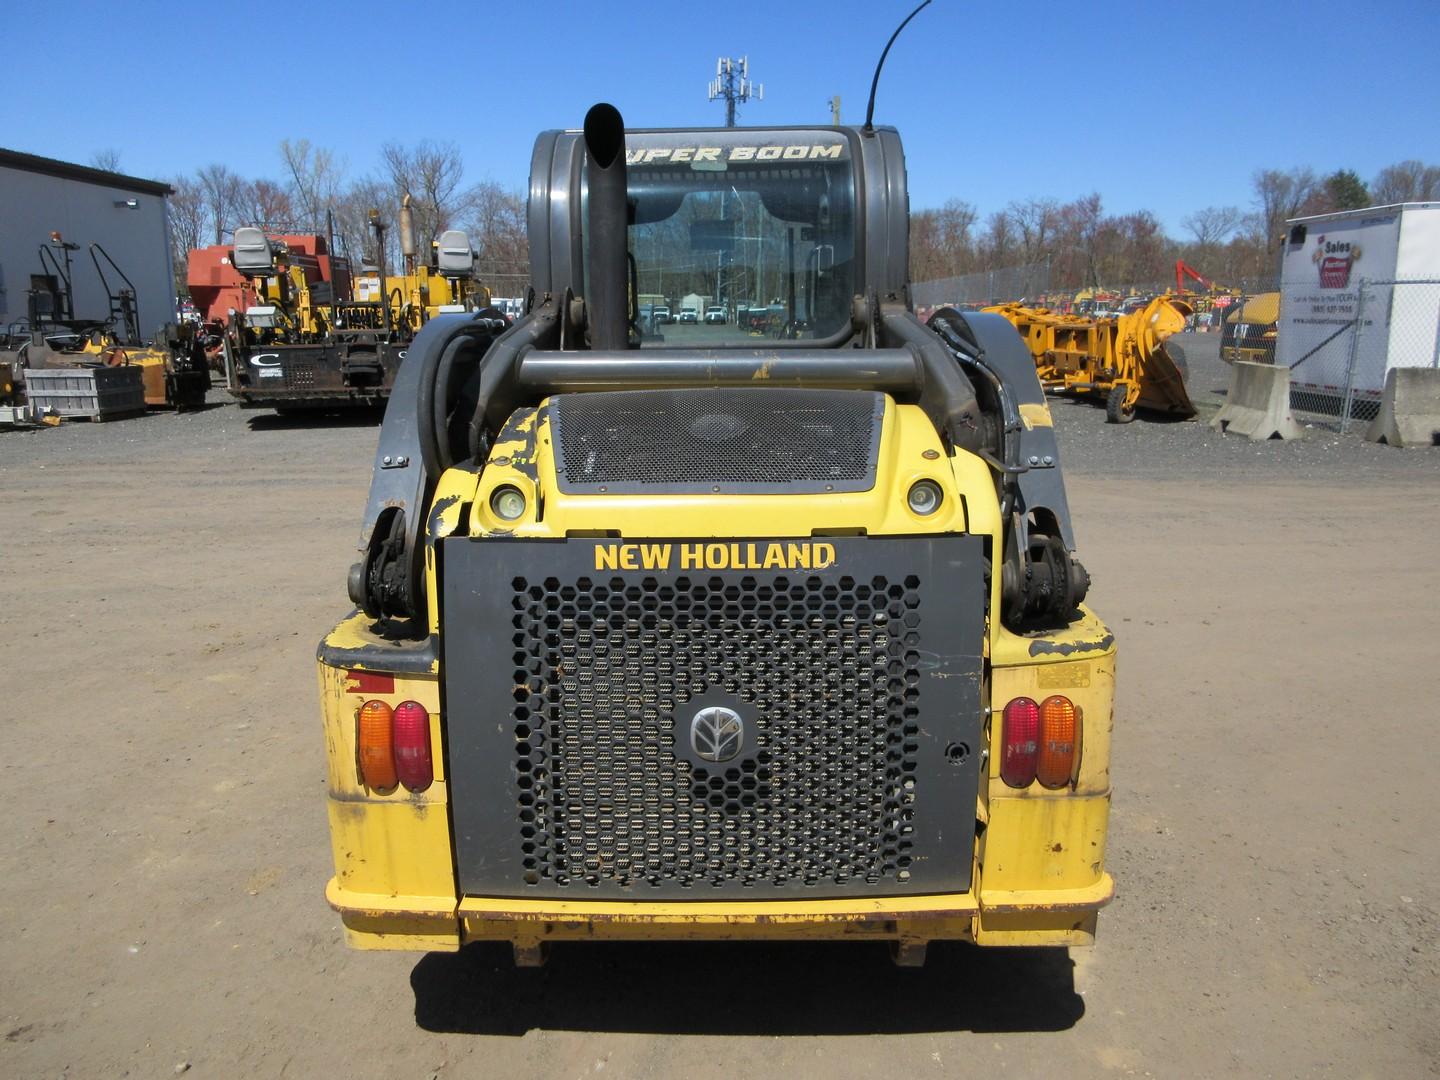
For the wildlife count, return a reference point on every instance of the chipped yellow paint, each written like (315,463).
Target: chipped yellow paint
(1086,636)
(353,632)
(1034,415)
(1095,700)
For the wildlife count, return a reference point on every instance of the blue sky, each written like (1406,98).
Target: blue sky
(1155,106)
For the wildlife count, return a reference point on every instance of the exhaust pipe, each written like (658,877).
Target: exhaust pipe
(608,275)
(407,232)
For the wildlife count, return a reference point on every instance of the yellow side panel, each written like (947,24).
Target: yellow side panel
(1033,843)
(398,935)
(1081,667)
(1036,928)
(385,850)
(393,871)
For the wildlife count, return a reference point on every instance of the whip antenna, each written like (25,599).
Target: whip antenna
(875,82)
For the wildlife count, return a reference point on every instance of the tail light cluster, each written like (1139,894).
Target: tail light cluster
(1040,742)
(394,746)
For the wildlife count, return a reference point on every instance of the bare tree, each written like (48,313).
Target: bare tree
(314,182)
(1406,181)
(266,204)
(107,159)
(186,211)
(1088,212)
(1035,220)
(1280,196)
(998,244)
(353,233)
(927,260)
(1213,224)
(222,191)
(941,244)
(495,219)
(430,173)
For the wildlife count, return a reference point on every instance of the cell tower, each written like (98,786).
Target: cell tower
(732,82)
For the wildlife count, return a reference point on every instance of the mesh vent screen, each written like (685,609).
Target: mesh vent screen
(608,674)
(789,440)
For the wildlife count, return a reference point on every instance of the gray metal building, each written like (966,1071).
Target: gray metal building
(124,214)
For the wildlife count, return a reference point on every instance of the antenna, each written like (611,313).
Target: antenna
(875,82)
(732,82)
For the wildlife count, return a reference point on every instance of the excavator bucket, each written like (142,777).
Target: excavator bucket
(1160,374)
(1123,361)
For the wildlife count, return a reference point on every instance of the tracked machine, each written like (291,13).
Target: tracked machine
(303,343)
(765,638)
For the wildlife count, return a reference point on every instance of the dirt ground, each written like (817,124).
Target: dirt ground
(165,847)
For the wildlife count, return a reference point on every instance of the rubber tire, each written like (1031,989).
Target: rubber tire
(1115,407)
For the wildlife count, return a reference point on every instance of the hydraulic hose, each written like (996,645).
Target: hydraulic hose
(431,408)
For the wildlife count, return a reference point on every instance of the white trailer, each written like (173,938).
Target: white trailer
(1326,259)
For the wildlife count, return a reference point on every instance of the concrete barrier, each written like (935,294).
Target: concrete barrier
(1409,409)
(1258,404)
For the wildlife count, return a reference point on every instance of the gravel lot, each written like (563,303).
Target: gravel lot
(166,847)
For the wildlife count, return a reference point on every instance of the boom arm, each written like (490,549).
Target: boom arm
(1184,270)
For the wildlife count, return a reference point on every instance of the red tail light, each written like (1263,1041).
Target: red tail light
(1020,742)
(1059,742)
(377,758)
(412,746)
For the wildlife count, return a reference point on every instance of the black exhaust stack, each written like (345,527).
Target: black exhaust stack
(608,275)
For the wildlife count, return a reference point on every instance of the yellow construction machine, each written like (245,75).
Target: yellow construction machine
(1125,361)
(443,284)
(313,343)
(1249,331)
(669,635)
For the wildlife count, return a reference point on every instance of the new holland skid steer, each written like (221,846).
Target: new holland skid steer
(689,634)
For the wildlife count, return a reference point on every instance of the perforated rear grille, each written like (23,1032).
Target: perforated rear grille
(686,732)
(299,374)
(717,440)
(608,674)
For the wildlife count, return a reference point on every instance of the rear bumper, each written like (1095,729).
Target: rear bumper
(1048,917)
(252,398)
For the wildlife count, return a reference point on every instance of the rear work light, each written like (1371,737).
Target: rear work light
(1039,742)
(412,746)
(1059,740)
(376,746)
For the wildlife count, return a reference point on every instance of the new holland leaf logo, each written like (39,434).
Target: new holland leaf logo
(717,733)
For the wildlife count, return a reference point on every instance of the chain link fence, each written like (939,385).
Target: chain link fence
(1338,344)
(983,288)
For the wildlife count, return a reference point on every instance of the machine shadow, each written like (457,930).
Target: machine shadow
(811,988)
(317,418)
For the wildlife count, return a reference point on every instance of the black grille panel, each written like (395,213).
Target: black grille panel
(608,676)
(717,440)
(576,764)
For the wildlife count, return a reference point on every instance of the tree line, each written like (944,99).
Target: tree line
(312,192)
(1087,248)
(1083,245)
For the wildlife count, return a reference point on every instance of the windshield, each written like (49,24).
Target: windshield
(756,226)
